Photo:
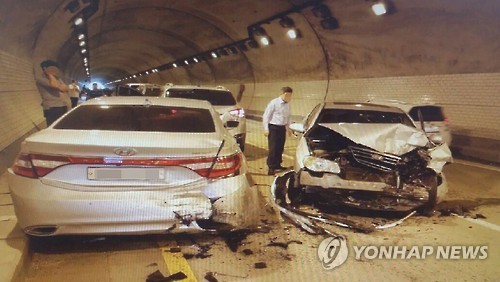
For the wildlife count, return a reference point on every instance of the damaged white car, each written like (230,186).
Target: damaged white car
(369,157)
(132,165)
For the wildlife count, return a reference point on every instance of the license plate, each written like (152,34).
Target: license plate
(129,173)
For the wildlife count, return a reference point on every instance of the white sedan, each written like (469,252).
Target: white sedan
(369,157)
(132,165)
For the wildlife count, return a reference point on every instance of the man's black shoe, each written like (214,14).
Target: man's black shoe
(270,171)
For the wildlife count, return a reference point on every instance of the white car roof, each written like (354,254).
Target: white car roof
(159,101)
(402,105)
(362,106)
(220,88)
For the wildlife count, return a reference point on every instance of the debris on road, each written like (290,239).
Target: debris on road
(157,276)
(260,265)
(247,252)
(209,276)
(233,238)
(283,245)
(309,221)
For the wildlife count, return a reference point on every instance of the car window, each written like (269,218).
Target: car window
(122,90)
(215,97)
(429,113)
(138,118)
(153,92)
(362,116)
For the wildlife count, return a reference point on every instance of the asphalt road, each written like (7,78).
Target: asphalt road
(281,251)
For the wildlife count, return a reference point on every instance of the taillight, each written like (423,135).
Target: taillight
(224,166)
(22,166)
(36,165)
(446,120)
(237,112)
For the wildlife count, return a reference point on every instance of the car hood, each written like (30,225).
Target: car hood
(394,138)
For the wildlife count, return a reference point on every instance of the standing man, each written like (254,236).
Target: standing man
(276,121)
(74,93)
(54,92)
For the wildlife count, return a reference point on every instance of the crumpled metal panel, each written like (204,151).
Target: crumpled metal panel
(396,139)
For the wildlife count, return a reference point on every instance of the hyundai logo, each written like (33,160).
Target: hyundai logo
(125,151)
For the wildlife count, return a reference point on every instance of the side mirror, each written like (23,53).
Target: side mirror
(297,127)
(231,123)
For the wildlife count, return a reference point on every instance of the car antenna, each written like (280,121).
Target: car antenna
(216,157)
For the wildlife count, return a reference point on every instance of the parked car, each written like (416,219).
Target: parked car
(367,156)
(231,113)
(435,123)
(135,165)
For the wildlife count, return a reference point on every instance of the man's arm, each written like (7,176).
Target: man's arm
(266,117)
(57,84)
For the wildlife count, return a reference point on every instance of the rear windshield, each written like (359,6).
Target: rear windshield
(136,90)
(357,116)
(138,118)
(429,113)
(215,97)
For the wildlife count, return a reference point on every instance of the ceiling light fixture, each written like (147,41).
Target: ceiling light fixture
(78,21)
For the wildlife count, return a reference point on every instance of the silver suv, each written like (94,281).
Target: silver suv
(231,113)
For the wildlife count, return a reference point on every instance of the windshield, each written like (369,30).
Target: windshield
(138,118)
(136,90)
(215,97)
(429,113)
(362,116)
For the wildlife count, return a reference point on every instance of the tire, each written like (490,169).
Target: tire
(428,208)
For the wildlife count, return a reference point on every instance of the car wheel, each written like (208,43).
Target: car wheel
(294,194)
(428,208)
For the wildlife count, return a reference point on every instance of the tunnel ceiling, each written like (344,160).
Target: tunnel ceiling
(128,36)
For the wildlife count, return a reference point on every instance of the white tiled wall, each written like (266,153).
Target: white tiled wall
(20,100)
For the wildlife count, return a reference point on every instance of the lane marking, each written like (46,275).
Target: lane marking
(483,166)
(176,262)
(480,222)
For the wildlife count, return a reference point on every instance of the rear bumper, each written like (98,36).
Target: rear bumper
(46,210)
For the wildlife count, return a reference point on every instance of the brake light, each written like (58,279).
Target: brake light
(224,166)
(37,165)
(237,112)
(446,120)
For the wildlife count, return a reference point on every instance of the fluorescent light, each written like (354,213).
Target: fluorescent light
(78,21)
(292,33)
(379,9)
(174,65)
(186,62)
(195,60)
(264,41)
(81,36)
(83,51)
(214,55)
(82,43)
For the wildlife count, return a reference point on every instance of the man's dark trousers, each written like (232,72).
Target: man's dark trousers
(276,145)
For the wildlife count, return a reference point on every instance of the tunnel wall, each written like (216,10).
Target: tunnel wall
(20,107)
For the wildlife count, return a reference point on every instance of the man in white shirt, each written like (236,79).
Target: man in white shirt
(276,121)
(74,93)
